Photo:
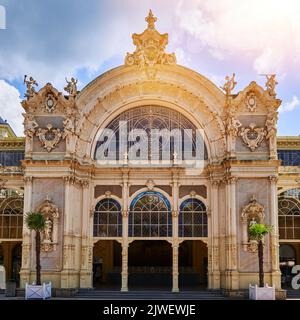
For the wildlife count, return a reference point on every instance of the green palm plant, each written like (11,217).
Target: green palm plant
(36,221)
(257,232)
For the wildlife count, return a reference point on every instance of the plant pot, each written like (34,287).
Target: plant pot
(10,290)
(38,292)
(261,293)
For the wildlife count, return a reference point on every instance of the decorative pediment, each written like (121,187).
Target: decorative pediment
(48,100)
(150,47)
(255,99)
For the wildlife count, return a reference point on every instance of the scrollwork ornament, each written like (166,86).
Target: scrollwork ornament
(252,136)
(49,137)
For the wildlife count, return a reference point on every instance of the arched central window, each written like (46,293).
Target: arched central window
(192,219)
(108,219)
(150,216)
(289,214)
(11,214)
(151,124)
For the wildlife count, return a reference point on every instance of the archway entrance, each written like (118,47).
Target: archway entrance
(150,265)
(10,258)
(192,265)
(288,257)
(107,265)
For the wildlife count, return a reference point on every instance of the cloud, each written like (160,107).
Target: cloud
(264,32)
(10,107)
(290,105)
(53,39)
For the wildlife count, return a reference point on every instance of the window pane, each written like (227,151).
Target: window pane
(107,219)
(149,214)
(192,219)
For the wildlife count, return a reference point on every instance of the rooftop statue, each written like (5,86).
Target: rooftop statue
(30,83)
(71,87)
(271,84)
(229,84)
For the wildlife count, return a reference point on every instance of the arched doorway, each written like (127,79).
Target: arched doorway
(193,260)
(150,264)
(193,263)
(107,265)
(289,233)
(287,258)
(107,251)
(11,226)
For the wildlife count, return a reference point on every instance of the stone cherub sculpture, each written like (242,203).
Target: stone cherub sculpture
(271,84)
(229,84)
(30,83)
(48,230)
(71,87)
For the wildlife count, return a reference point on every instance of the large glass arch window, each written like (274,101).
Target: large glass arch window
(108,219)
(148,119)
(11,214)
(192,218)
(150,216)
(289,214)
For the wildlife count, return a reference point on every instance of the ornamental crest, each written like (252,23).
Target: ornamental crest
(49,137)
(252,136)
(50,102)
(250,101)
(150,47)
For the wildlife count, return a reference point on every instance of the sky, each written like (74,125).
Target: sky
(54,39)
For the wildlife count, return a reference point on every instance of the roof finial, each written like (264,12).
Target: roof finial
(151,20)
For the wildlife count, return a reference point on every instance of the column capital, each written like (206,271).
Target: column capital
(27,179)
(85,183)
(215,182)
(273,179)
(230,179)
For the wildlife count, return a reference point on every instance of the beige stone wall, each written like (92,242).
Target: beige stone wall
(54,189)
(248,262)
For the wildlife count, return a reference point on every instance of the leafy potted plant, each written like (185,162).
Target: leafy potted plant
(36,222)
(257,232)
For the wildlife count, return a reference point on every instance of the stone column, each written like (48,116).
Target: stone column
(274,239)
(86,271)
(175,229)
(68,274)
(175,271)
(213,234)
(124,274)
(26,243)
(232,281)
(125,243)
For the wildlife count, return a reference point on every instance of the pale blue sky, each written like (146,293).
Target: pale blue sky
(52,39)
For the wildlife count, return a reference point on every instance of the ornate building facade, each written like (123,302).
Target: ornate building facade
(126,225)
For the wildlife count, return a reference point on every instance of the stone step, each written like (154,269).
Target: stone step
(149,295)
